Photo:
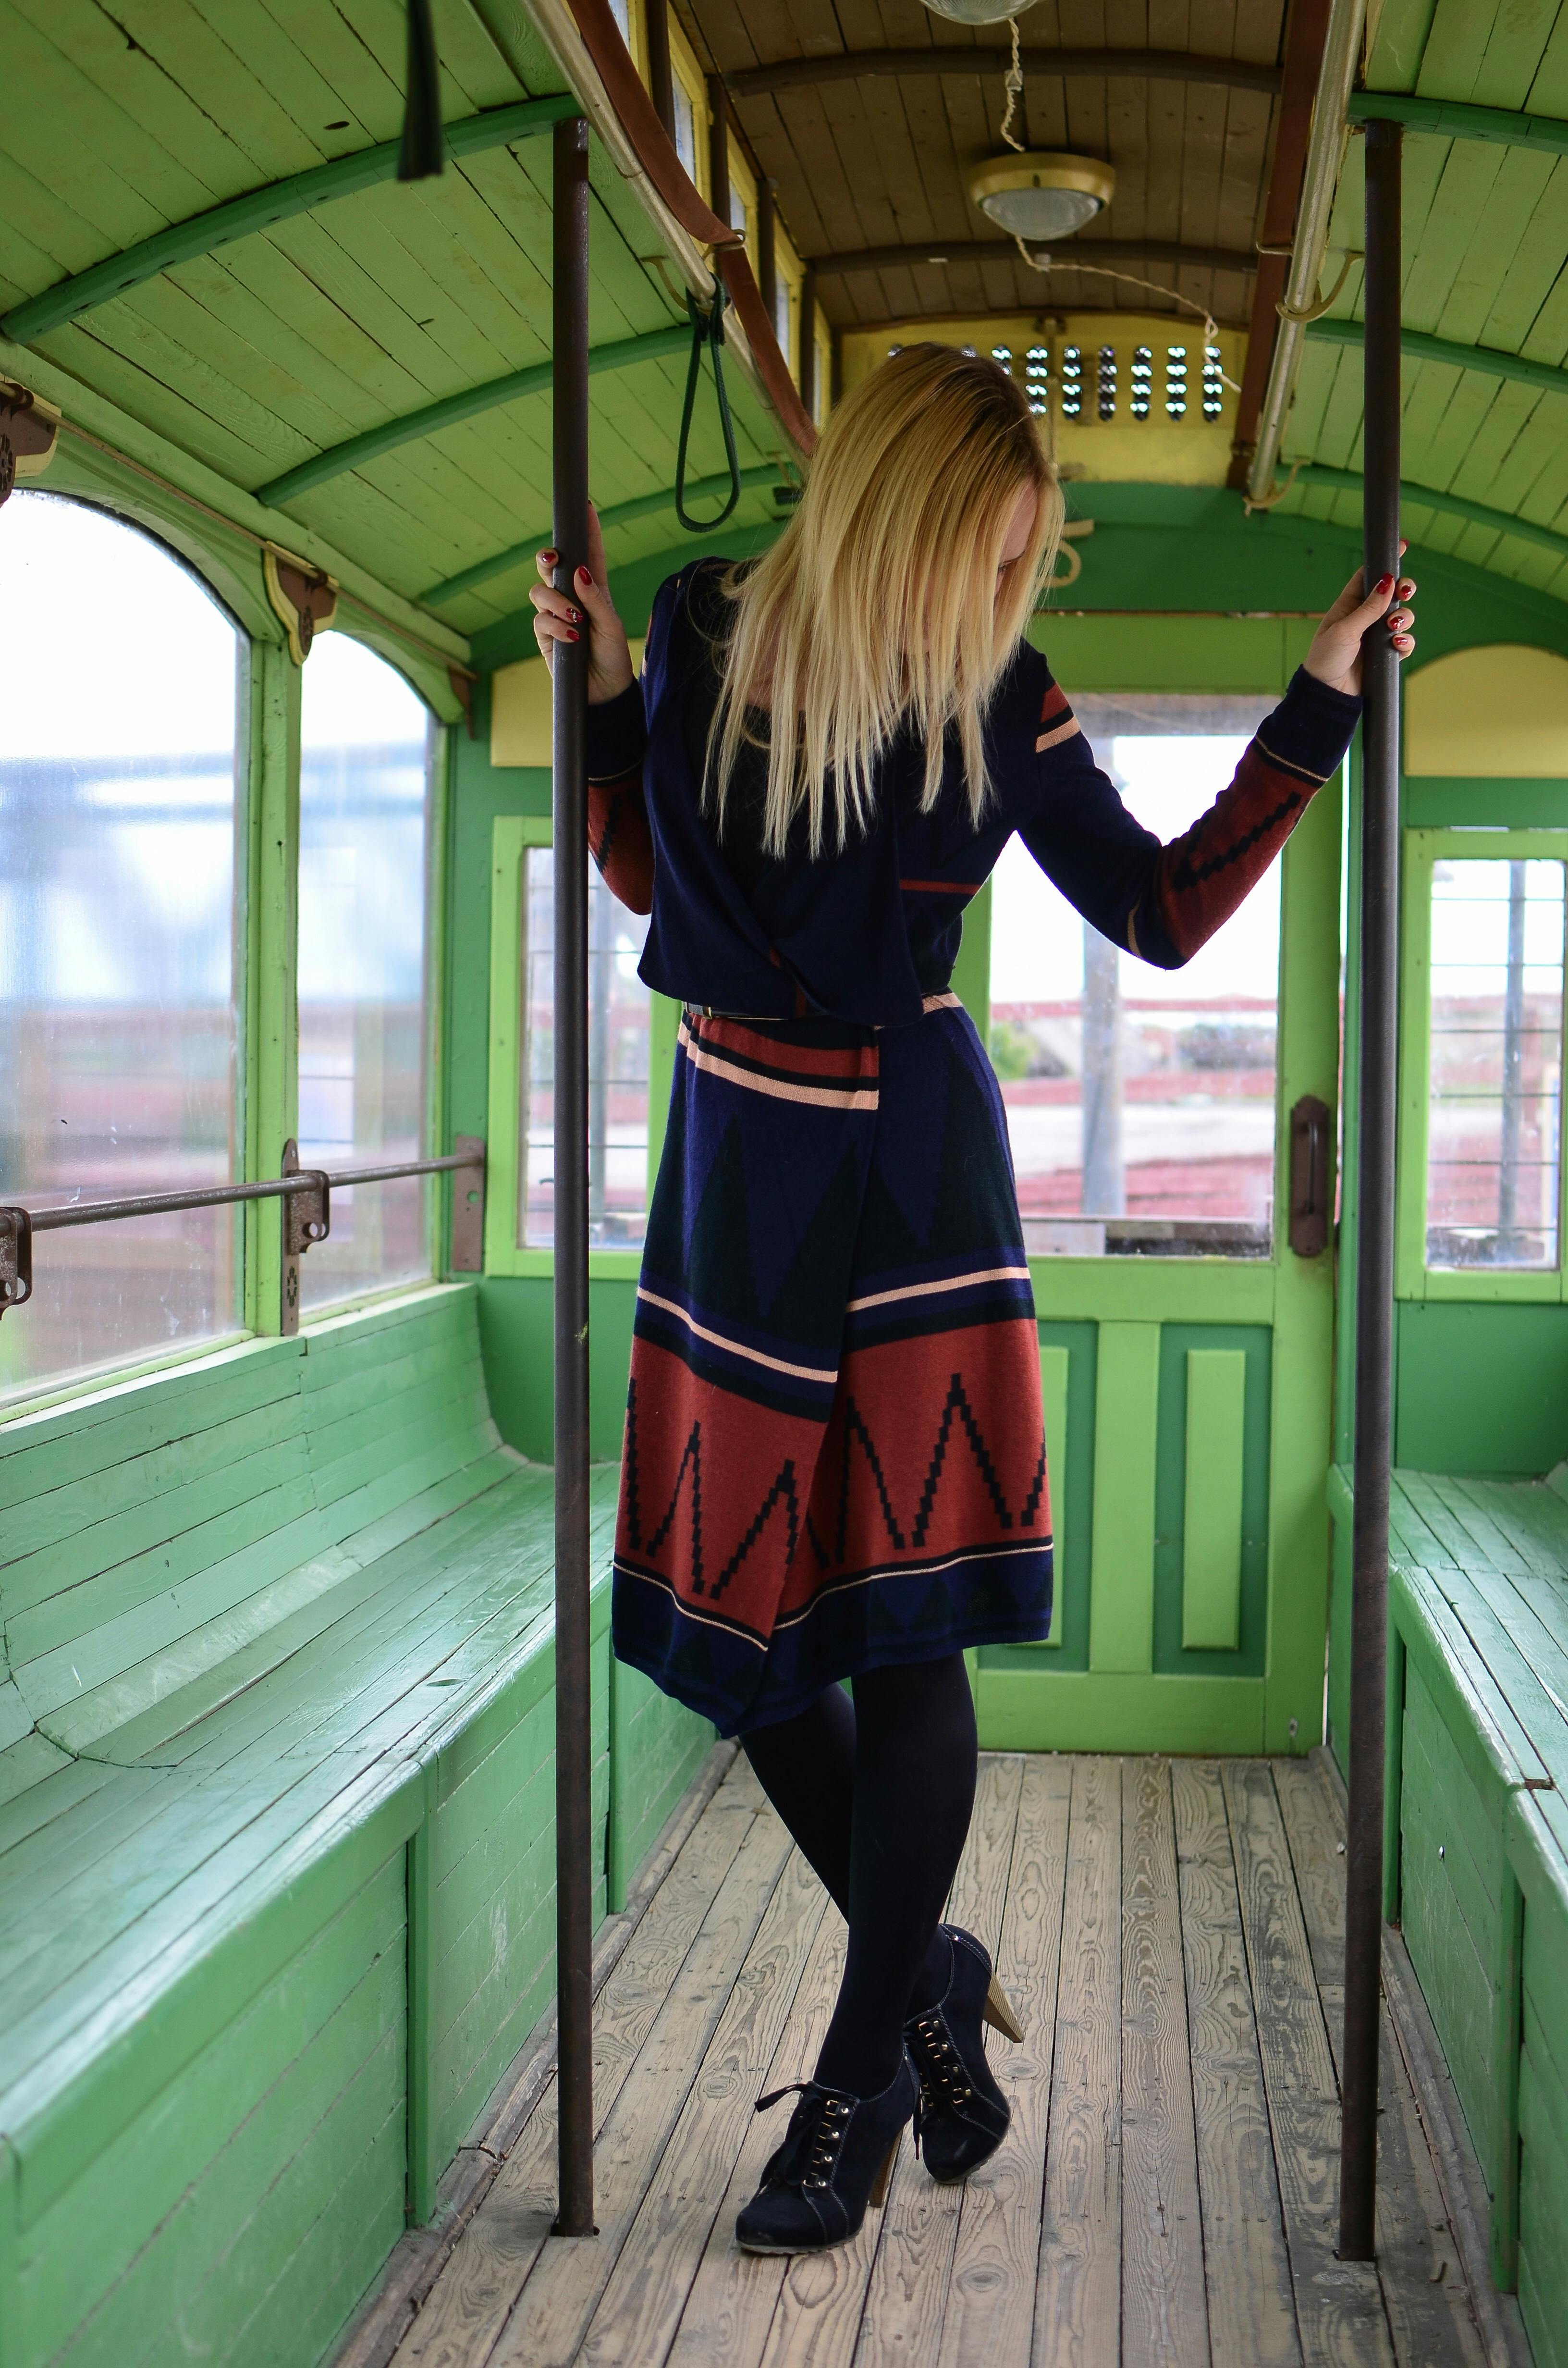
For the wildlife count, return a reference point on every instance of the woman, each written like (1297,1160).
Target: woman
(834,1456)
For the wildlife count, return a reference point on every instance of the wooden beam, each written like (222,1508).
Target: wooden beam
(641,506)
(262,209)
(1306,29)
(1448,120)
(1416,345)
(1064,257)
(357,449)
(1348,481)
(993,57)
(661,74)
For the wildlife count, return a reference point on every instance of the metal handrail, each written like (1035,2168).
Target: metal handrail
(275,1187)
(306,1197)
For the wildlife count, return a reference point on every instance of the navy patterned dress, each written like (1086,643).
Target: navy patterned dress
(834,1454)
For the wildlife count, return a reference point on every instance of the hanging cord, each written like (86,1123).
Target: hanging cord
(1272,500)
(1048,263)
(424,149)
(707,329)
(1013,84)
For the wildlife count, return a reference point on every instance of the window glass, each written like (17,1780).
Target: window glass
(1495,1079)
(685,125)
(618,1015)
(118,682)
(1140,1101)
(364,770)
(781,316)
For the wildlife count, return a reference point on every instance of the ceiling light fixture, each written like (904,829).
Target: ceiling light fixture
(1042,194)
(976,12)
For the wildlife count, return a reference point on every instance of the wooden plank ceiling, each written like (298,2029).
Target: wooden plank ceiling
(253,358)
(1485,242)
(879,161)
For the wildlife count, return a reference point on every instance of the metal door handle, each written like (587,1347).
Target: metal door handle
(1311,1176)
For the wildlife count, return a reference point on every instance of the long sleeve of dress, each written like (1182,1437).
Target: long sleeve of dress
(618,838)
(1163,903)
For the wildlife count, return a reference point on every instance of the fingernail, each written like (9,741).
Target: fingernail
(1385,584)
(573,637)
(550,556)
(584,577)
(573,617)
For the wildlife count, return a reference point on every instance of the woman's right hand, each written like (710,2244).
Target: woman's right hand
(559,617)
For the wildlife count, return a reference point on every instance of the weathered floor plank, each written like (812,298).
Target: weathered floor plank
(1169,1932)
(1164,2318)
(1078,2299)
(1252,2313)
(1339,2304)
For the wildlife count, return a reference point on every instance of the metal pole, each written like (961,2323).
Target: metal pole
(1374,1206)
(569,798)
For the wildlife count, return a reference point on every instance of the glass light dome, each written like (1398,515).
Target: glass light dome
(976,12)
(1041,196)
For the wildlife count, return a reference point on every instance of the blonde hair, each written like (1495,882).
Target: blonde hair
(882,601)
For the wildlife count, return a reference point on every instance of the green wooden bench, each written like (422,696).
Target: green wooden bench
(1478,1836)
(276,1826)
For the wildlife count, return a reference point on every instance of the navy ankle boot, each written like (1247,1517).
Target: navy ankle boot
(962,2115)
(837,2157)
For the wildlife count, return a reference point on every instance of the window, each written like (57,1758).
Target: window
(619,1031)
(364,768)
(1140,1101)
(1495,1073)
(118,686)
(685,125)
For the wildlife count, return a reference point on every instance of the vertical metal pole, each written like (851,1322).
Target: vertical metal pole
(569,798)
(806,369)
(1374,1208)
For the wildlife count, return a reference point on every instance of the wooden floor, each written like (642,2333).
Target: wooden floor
(1169,1931)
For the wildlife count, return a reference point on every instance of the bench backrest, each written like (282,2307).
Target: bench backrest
(153,1527)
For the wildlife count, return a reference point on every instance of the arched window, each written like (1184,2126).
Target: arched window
(364,772)
(117,678)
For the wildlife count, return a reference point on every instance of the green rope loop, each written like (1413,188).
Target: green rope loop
(707,329)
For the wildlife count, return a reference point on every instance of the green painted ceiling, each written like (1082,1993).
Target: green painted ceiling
(325,327)
(1485,265)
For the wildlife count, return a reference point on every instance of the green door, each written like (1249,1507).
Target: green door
(1186,1349)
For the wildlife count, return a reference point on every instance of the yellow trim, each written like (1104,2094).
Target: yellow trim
(1497,712)
(685,70)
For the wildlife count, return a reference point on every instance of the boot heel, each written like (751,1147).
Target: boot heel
(998,2012)
(879,2194)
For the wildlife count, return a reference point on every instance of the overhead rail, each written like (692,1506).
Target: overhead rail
(623,353)
(1349,481)
(996,57)
(1455,120)
(638,130)
(1309,235)
(264,209)
(1416,345)
(618,514)
(1005,250)
(1306,25)
(306,1195)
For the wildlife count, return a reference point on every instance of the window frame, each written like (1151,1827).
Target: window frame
(1414,1278)
(511,838)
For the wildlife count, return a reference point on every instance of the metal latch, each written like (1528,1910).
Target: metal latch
(307,1218)
(16,1257)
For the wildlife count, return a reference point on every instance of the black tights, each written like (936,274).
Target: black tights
(878,1795)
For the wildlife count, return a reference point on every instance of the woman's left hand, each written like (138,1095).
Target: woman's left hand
(1335,656)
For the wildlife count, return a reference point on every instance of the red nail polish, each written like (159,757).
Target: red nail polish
(1385,584)
(583,576)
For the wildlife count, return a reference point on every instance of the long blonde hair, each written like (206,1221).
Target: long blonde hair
(881,601)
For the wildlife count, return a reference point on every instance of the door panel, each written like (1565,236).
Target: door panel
(1187,1397)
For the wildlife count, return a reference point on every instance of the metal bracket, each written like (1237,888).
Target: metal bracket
(307,1218)
(16,1257)
(1312,1184)
(468,1208)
